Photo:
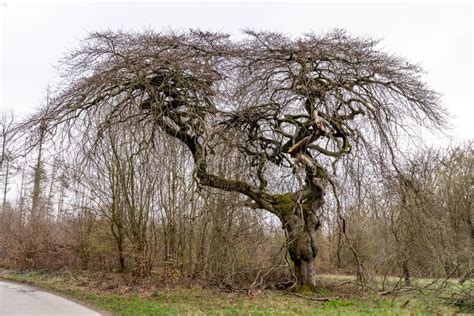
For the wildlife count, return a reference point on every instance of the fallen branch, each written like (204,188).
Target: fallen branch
(399,290)
(311,298)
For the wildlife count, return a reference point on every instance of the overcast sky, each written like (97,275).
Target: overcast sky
(34,36)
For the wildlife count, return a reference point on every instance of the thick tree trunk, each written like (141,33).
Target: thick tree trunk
(305,272)
(301,227)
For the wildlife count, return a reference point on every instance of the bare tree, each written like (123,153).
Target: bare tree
(291,108)
(37,205)
(7,134)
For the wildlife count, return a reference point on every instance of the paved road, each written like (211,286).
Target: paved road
(20,300)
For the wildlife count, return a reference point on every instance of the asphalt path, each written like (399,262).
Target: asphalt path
(22,300)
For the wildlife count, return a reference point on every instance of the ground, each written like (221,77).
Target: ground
(110,293)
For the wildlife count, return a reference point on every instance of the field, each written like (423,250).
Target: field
(112,295)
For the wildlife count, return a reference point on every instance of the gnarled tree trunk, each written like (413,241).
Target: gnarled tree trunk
(301,222)
(302,249)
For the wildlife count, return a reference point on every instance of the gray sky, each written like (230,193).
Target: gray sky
(34,36)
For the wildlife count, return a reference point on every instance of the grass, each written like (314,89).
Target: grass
(110,294)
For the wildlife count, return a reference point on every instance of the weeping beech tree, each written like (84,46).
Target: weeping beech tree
(294,110)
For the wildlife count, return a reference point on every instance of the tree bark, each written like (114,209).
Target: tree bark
(305,272)
(301,224)
(121,258)
(406,273)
